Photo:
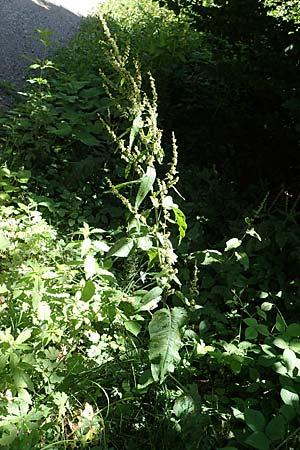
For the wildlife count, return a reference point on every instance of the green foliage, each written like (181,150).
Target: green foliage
(124,321)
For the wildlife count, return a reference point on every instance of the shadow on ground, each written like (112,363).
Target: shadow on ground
(19,20)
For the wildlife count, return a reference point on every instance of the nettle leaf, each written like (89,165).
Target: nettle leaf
(137,125)
(255,420)
(23,336)
(258,440)
(88,291)
(90,266)
(145,187)
(121,248)
(232,243)
(181,222)
(165,341)
(43,311)
(4,242)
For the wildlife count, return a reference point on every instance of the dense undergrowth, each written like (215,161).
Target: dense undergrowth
(132,317)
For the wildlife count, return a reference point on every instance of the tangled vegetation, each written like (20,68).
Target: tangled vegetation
(149,280)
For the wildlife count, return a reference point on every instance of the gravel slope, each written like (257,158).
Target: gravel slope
(19,20)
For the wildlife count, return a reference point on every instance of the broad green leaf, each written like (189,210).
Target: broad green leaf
(290,359)
(121,248)
(251,322)
(251,333)
(275,429)
(88,291)
(145,187)
(288,412)
(243,259)
(293,330)
(85,247)
(4,242)
(90,266)
(258,440)
(43,311)
(237,413)
(168,203)
(232,243)
(21,379)
(280,323)
(133,326)
(23,336)
(88,139)
(267,306)
(181,222)
(144,243)
(288,397)
(183,406)
(150,300)
(295,345)
(23,176)
(280,343)
(165,341)
(211,256)
(255,420)
(144,381)
(263,329)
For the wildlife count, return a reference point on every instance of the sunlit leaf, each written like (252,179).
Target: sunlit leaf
(232,243)
(145,187)
(165,341)
(288,397)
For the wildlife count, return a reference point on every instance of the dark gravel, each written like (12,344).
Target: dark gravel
(19,20)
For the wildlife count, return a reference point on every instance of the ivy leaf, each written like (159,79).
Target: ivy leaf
(165,341)
(147,182)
